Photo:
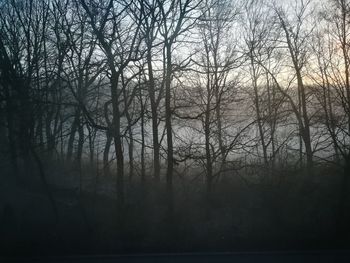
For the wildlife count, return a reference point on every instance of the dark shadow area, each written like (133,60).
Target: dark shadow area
(279,215)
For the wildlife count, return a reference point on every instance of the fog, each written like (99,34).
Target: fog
(154,126)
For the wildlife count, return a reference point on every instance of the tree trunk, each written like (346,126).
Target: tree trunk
(272,122)
(258,112)
(106,170)
(143,166)
(154,106)
(306,130)
(131,154)
(219,125)
(168,115)
(71,136)
(209,164)
(78,159)
(117,139)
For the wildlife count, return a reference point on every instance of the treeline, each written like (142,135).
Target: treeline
(211,86)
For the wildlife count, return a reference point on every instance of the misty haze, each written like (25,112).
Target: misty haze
(172,126)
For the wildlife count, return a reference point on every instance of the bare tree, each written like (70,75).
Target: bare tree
(175,17)
(215,64)
(295,37)
(150,31)
(120,46)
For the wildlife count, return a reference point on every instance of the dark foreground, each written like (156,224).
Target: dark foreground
(239,257)
(283,215)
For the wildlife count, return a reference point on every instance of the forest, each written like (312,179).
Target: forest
(139,126)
